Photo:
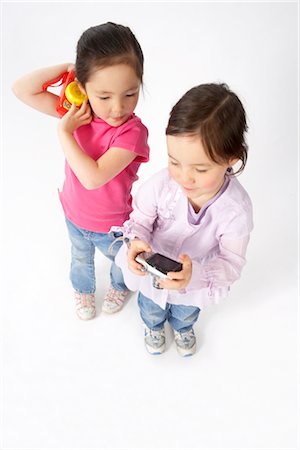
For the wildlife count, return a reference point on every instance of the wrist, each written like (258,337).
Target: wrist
(64,132)
(129,240)
(66,138)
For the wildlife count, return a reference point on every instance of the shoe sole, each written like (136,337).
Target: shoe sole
(86,318)
(186,353)
(155,351)
(111,311)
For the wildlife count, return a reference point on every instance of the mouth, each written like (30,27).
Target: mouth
(118,119)
(117,122)
(188,189)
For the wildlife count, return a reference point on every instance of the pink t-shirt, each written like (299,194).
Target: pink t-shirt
(100,209)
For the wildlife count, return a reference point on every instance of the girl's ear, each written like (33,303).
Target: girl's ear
(233,161)
(81,87)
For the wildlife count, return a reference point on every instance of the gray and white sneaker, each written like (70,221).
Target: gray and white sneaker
(155,341)
(185,342)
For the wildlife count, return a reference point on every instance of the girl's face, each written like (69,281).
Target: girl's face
(113,93)
(199,177)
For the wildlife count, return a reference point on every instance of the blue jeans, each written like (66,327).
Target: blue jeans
(82,272)
(180,317)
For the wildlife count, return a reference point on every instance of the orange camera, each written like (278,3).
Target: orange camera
(70,92)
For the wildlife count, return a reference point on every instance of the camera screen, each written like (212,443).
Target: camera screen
(164,264)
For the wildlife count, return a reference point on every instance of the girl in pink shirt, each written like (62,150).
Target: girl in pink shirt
(104,144)
(195,212)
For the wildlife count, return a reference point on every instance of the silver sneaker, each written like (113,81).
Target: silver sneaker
(155,341)
(185,342)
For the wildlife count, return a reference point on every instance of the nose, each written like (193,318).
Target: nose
(117,108)
(187,178)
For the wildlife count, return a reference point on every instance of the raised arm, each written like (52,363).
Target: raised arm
(29,88)
(91,174)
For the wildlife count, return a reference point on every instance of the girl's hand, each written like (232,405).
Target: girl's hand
(181,279)
(136,247)
(75,118)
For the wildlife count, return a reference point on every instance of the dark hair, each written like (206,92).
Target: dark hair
(216,114)
(105,45)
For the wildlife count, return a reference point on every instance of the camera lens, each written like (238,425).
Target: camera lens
(155,282)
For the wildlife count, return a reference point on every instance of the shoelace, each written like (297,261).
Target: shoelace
(116,296)
(155,334)
(85,300)
(186,336)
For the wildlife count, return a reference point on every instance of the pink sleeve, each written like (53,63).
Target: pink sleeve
(135,139)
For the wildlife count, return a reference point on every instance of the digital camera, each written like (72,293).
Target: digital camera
(158,266)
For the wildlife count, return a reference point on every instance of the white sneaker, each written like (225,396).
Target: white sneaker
(155,341)
(114,300)
(185,342)
(85,306)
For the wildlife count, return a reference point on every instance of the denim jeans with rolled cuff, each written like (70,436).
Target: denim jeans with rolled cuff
(84,243)
(181,317)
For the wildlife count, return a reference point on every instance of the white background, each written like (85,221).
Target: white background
(68,384)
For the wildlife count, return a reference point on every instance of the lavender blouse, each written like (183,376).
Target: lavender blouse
(215,239)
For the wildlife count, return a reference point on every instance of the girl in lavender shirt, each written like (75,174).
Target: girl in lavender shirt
(196,211)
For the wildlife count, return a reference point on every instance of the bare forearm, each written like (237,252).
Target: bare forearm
(32,83)
(29,88)
(85,168)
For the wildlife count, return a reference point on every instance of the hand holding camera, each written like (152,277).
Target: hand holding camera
(137,247)
(179,280)
(166,272)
